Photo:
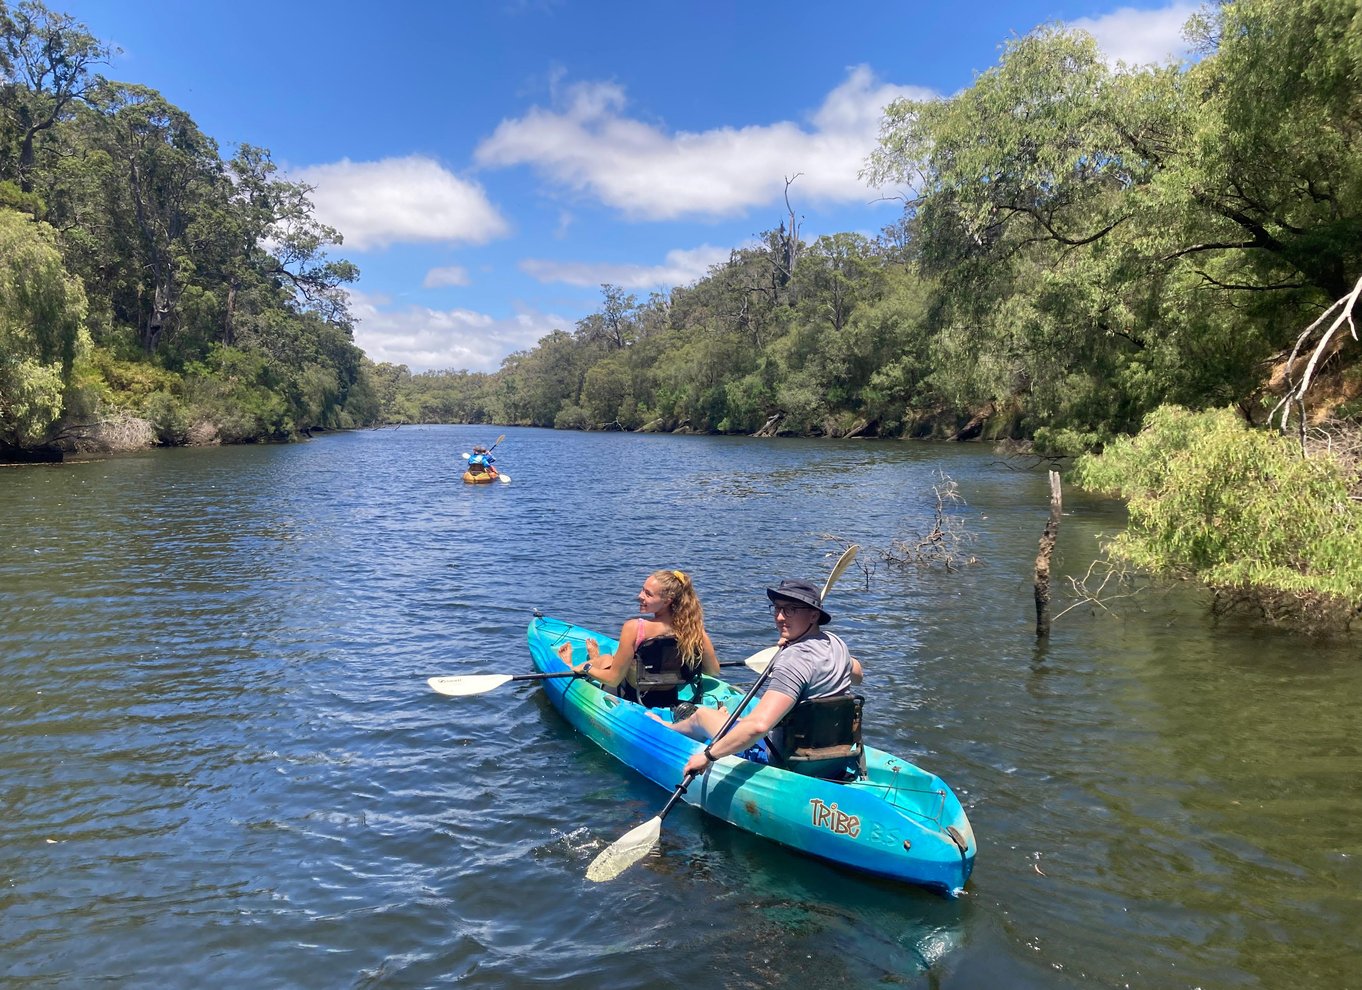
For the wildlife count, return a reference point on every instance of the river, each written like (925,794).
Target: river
(221,765)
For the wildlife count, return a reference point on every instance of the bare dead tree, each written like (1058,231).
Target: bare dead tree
(1294,400)
(1047,546)
(789,241)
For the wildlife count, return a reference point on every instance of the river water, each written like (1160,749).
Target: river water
(220,764)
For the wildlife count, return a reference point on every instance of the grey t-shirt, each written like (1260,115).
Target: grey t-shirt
(814,667)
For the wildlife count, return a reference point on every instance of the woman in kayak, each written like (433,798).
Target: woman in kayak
(659,652)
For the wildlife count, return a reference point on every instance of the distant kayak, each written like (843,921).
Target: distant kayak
(899,821)
(483,477)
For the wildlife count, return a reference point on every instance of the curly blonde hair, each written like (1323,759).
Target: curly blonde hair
(688,615)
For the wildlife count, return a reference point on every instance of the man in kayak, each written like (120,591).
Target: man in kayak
(481,461)
(807,698)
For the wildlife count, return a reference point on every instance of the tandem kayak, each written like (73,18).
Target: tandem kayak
(899,822)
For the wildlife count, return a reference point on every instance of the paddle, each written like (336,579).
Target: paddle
(462,685)
(495,442)
(629,848)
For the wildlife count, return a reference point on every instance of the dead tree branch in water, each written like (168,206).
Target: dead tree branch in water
(1092,587)
(945,543)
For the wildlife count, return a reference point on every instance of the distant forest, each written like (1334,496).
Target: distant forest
(1080,245)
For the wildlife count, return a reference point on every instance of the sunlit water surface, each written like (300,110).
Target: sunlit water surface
(220,764)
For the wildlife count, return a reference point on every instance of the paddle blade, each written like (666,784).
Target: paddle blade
(465,684)
(625,851)
(761,660)
(504,478)
(842,564)
(466,455)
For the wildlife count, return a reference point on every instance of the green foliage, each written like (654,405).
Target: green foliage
(235,394)
(14,198)
(42,309)
(1237,507)
(1146,235)
(179,252)
(572,417)
(1060,442)
(169,416)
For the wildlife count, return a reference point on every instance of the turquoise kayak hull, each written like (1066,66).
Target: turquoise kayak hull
(901,822)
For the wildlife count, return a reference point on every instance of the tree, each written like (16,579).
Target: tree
(164,171)
(45,61)
(278,238)
(1149,232)
(616,324)
(42,311)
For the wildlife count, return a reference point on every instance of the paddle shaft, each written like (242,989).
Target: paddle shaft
(733,717)
(548,674)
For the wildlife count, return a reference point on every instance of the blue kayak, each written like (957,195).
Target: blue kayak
(899,822)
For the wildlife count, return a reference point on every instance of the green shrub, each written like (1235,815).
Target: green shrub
(168,416)
(1237,507)
(572,417)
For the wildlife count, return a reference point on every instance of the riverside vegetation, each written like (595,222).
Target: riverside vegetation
(1085,251)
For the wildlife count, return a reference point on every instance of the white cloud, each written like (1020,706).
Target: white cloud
(592,148)
(681,268)
(1140,37)
(457,339)
(399,201)
(450,275)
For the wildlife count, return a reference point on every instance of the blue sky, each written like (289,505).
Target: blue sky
(491,162)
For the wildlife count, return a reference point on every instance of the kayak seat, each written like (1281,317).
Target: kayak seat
(657,675)
(823,736)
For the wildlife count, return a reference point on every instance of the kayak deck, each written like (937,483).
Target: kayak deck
(899,821)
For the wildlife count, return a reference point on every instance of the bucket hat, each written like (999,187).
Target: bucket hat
(802,592)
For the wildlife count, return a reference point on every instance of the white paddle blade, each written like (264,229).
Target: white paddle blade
(625,851)
(466,455)
(848,555)
(505,479)
(465,684)
(761,660)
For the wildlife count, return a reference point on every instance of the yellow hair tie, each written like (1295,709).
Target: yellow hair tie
(680,576)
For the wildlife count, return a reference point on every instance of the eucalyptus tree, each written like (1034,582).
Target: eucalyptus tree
(162,189)
(278,242)
(539,382)
(46,62)
(616,325)
(836,272)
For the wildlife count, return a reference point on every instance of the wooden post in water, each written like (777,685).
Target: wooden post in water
(1047,546)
